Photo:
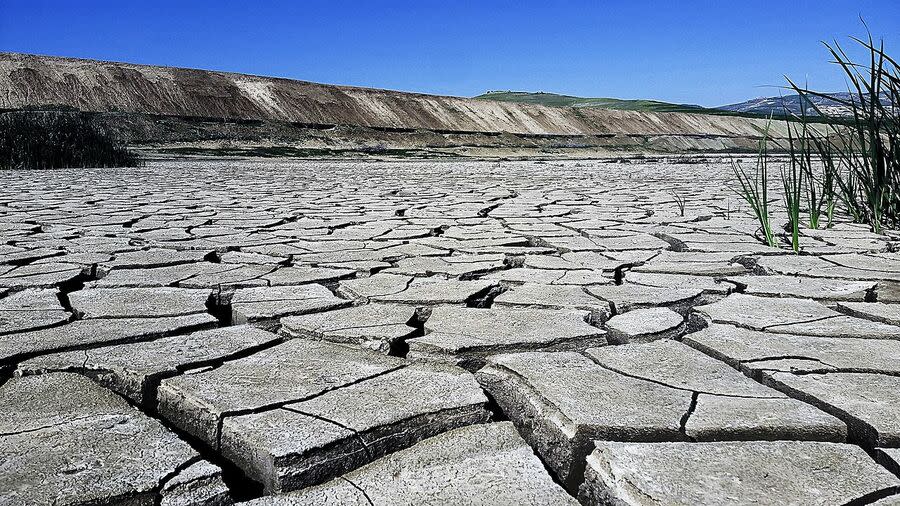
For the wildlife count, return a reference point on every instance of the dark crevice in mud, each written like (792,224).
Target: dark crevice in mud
(731,287)
(540,207)
(400,212)
(682,425)
(485,298)
(483,213)
(475,361)
(157,490)
(375,270)
(130,223)
(871,294)
(38,328)
(72,285)
(393,260)
(873,497)
(361,491)
(470,276)
(613,310)
(619,274)
(283,221)
(240,486)
(333,286)
(213,257)
(887,462)
(497,414)
(738,286)
(422,314)
(339,226)
(400,348)
(6,373)
(395,292)
(674,244)
(861,315)
(685,307)
(382,438)
(219,306)
(597,317)
(31,260)
(680,332)
(579,469)
(439,230)
(466,276)
(695,322)
(189,229)
(509,262)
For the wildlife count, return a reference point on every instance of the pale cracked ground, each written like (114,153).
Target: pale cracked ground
(436,333)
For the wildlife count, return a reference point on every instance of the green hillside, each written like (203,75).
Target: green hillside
(555,100)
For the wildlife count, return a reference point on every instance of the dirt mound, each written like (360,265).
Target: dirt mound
(107,87)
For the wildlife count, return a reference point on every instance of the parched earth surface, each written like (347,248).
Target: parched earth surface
(381,333)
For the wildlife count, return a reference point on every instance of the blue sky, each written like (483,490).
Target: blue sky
(688,51)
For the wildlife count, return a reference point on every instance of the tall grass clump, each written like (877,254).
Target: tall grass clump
(815,180)
(55,139)
(754,187)
(792,187)
(860,150)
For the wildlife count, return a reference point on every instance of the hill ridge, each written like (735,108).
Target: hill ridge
(116,88)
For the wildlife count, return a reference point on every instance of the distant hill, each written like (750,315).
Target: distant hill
(757,108)
(557,100)
(777,105)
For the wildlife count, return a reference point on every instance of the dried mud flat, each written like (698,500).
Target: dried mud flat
(380,333)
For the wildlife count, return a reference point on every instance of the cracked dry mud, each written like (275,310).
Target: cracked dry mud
(381,333)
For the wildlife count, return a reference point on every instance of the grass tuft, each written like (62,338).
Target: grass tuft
(792,183)
(754,188)
(680,202)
